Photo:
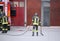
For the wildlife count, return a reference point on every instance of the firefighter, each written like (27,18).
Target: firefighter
(35,21)
(0,20)
(8,22)
(4,24)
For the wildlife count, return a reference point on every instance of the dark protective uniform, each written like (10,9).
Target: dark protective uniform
(4,24)
(35,21)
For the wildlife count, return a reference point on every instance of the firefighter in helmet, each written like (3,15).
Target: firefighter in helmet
(0,20)
(4,23)
(35,21)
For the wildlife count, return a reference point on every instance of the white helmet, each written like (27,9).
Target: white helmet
(36,14)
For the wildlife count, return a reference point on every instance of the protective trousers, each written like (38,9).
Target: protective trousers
(5,28)
(35,27)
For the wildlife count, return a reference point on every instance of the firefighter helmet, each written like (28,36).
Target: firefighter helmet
(36,14)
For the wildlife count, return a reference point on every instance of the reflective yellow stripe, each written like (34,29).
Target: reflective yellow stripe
(4,20)
(33,30)
(36,30)
(3,29)
(35,24)
(8,24)
(6,29)
(5,23)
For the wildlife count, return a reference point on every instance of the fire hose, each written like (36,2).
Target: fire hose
(27,28)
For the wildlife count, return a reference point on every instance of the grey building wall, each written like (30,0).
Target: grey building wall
(45,12)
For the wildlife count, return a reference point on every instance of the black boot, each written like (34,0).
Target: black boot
(32,33)
(3,31)
(36,33)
